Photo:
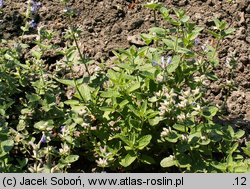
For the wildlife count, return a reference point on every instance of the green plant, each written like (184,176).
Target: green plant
(144,94)
(147,111)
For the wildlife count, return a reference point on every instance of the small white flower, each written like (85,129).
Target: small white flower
(229,82)
(204,48)
(163,109)
(197,108)
(158,93)
(206,82)
(181,117)
(187,92)
(196,91)
(165,132)
(183,103)
(103,150)
(102,162)
(159,78)
(172,93)
(97,68)
(184,137)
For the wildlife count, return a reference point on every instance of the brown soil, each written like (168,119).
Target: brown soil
(108,25)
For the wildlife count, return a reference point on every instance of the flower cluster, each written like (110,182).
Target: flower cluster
(1,3)
(169,100)
(104,157)
(166,132)
(35,6)
(65,150)
(164,63)
(33,23)
(202,80)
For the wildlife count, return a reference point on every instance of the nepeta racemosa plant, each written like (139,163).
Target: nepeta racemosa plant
(145,111)
(187,117)
(162,87)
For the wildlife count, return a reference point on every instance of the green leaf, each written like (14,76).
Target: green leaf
(154,121)
(21,125)
(44,125)
(229,31)
(179,127)
(204,142)
(174,64)
(143,108)
(134,87)
(172,137)
(168,162)
(24,29)
(69,82)
(217,22)
(71,102)
(158,31)
(36,54)
(165,12)
(128,148)
(170,43)
(83,92)
(144,141)
(7,145)
(196,31)
(123,103)
(153,99)
(239,134)
(213,110)
(234,147)
(128,159)
(132,108)
(214,34)
(193,138)
(212,76)
(110,94)
(184,19)
(125,140)
(33,97)
(107,109)
(71,158)
(220,166)
(147,159)
(185,51)
(113,75)
(153,6)
(231,131)
(22,162)
(240,169)
(147,38)
(246,149)
(210,111)
(229,161)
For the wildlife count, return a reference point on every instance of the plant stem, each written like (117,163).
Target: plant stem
(79,51)
(155,21)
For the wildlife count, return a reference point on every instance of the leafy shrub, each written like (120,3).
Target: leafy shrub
(148,110)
